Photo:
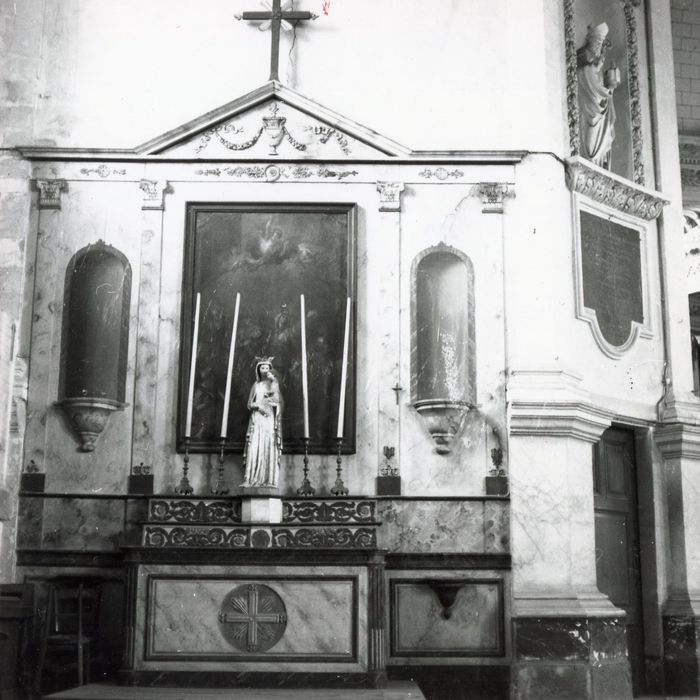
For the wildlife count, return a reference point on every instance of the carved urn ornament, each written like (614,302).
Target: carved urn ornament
(95,339)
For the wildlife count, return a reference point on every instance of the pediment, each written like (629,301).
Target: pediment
(272,121)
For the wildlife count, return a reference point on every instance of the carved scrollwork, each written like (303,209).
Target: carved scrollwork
(328,512)
(159,536)
(594,182)
(324,538)
(185,511)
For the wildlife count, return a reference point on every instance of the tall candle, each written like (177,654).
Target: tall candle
(193,365)
(231,351)
(344,375)
(304,370)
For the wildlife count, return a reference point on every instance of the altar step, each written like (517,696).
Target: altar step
(395,690)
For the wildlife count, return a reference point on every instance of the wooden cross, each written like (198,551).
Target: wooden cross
(252,616)
(276,16)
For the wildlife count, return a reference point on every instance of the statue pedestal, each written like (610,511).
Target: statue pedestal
(260,504)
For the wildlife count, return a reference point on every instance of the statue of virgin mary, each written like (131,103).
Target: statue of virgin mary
(263,445)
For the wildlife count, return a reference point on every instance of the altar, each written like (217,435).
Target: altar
(246,603)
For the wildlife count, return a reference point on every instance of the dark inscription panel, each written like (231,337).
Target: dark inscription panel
(612,275)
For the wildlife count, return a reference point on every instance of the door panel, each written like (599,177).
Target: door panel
(617,537)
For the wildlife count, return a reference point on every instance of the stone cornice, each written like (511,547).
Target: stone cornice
(575,419)
(678,440)
(612,190)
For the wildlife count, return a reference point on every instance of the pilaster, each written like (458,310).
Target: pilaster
(145,389)
(389,384)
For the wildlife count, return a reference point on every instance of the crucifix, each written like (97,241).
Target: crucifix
(277,15)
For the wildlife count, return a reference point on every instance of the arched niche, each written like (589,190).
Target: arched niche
(443,343)
(95,338)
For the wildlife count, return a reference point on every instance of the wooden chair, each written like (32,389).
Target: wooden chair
(69,629)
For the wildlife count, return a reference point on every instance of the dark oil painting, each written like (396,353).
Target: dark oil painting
(270,254)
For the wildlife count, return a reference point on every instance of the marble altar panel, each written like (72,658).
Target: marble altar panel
(471,625)
(183,618)
(177,624)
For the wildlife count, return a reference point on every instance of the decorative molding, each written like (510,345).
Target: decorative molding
(634,89)
(103,171)
(571,78)
(568,419)
(50,193)
(259,537)
(326,132)
(273,173)
(441,173)
(678,441)
(329,511)
(390,195)
(154,192)
(492,196)
(444,420)
(187,511)
(609,189)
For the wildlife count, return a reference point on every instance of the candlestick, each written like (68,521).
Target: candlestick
(193,365)
(339,488)
(185,488)
(306,489)
(221,489)
(344,372)
(229,371)
(304,369)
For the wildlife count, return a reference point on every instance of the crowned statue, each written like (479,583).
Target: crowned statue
(595,96)
(263,443)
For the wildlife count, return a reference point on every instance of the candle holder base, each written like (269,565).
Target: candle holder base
(339,488)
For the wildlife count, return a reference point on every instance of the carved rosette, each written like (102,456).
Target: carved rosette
(89,418)
(50,193)
(493,195)
(390,195)
(602,186)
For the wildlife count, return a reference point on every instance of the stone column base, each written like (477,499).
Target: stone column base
(681,654)
(570,657)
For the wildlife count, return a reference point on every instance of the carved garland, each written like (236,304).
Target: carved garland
(634,91)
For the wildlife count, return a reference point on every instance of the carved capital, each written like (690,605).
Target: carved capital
(389,195)
(492,195)
(613,191)
(50,193)
(678,441)
(154,192)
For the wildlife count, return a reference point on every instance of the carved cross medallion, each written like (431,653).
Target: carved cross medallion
(253,617)
(277,16)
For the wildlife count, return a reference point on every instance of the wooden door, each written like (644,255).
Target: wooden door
(617,537)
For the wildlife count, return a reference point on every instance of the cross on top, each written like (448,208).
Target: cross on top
(276,15)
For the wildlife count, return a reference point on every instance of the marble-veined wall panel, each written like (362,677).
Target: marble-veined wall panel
(85,524)
(444,526)
(183,618)
(452,215)
(89,211)
(471,623)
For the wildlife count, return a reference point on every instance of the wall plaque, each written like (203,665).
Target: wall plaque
(611,276)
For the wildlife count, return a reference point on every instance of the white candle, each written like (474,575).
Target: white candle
(231,351)
(304,370)
(344,375)
(193,365)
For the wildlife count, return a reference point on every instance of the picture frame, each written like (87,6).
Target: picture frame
(270,253)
